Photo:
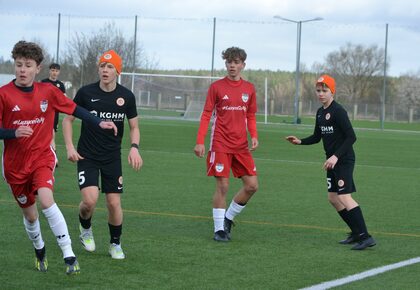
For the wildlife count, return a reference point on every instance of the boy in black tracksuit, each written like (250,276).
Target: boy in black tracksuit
(334,128)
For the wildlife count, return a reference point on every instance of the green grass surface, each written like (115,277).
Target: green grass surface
(286,238)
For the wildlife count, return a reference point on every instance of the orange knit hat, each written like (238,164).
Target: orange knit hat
(112,57)
(328,81)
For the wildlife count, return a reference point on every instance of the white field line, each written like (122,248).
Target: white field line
(363,275)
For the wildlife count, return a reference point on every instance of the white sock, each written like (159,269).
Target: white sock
(59,228)
(34,233)
(218,218)
(233,210)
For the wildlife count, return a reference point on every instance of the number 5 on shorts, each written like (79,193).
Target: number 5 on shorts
(82,178)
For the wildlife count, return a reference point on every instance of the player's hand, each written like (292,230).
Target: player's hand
(294,140)
(109,125)
(199,150)
(254,144)
(23,131)
(134,159)
(73,155)
(330,163)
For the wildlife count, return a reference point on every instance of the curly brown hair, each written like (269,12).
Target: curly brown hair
(233,53)
(28,50)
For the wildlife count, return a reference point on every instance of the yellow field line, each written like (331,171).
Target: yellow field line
(140,212)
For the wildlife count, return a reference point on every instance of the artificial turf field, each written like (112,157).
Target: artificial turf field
(286,238)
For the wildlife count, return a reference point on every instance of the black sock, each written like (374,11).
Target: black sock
(40,254)
(69,260)
(356,216)
(115,233)
(86,224)
(344,214)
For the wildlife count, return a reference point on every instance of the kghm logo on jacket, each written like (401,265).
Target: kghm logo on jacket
(44,105)
(327,129)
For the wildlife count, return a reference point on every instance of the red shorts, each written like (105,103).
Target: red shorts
(219,164)
(25,193)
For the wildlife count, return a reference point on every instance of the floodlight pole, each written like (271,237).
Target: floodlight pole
(58,39)
(297,75)
(383,99)
(212,51)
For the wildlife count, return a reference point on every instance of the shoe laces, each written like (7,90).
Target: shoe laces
(116,247)
(87,235)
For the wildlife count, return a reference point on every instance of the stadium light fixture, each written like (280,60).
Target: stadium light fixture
(299,33)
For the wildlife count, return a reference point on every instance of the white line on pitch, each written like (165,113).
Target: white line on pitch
(362,275)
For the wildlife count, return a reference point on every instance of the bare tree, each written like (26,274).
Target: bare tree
(408,89)
(356,69)
(84,51)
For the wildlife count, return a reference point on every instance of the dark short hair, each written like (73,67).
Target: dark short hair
(234,52)
(55,66)
(29,50)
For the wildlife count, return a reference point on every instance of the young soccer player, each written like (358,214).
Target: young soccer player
(54,72)
(99,154)
(27,110)
(334,128)
(233,102)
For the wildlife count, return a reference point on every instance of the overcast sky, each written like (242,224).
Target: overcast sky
(179,34)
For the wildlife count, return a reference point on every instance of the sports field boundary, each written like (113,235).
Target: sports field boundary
(363,275)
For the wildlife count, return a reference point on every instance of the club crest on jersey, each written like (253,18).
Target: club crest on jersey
(219,167)
(327,116)
(120,102)
(245,97)
(120,180)
(22,199)
(44,105)
(341,183)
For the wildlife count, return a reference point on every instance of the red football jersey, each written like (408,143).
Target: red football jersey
(36,109)
(234,105)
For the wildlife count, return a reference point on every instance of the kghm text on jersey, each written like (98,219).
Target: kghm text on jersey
(327,129)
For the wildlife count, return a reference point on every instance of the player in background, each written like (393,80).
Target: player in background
(99,154)
(27,110)
(233,102)
(54,72)
(334,128)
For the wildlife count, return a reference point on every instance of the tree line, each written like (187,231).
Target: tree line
(358,70)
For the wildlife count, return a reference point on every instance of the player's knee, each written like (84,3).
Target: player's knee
(88,205)
(333,200)
(251,188)
(113,205)
(222,190)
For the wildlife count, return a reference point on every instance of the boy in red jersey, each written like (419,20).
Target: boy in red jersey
(27,110)
(233,102)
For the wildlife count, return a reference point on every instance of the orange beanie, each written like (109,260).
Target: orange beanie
(112,57)
(328,81)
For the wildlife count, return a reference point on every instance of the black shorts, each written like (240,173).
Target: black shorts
(111,175)
(340,179)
